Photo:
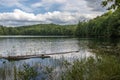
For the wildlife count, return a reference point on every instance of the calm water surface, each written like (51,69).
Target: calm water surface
(14,46)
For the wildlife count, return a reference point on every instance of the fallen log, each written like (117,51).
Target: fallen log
(17,58)
(22,57)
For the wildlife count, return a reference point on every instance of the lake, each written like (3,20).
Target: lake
(31,45)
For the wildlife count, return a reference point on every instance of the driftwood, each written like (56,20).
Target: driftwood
(16,58)
(22,57)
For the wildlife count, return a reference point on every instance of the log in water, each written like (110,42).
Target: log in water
(22,57)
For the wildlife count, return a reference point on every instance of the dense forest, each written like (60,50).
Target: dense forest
(39,29)
(106,25)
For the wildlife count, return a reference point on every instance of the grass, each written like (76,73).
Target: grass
(28,73)
(105,68)
(92,68)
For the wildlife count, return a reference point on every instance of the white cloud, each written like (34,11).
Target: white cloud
(19,17)
(36,5)
(75,6)
(8,2)
(95,5)
(82,6)
(16,3)
(54,1)
(16,15)
(23,7)
(47,4)
(66,12)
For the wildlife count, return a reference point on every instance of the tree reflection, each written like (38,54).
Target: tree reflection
(105,46)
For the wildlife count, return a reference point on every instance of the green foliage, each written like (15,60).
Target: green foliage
(114,23)
(40,29)
(28,73)
(107,25)
(105,68)
(114,4)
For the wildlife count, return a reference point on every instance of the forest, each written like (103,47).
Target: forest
(106,25)
(39,29)
(91,50)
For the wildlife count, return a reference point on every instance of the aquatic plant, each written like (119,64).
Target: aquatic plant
(28,73)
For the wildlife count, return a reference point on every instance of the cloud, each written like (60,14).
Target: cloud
(15,3)
(81,6)
(8,2)
(16,15)
(47,5)
(48,11)
(25,8)
(95,5)
(19,17)
(36,5)
(64,5)
(76,6)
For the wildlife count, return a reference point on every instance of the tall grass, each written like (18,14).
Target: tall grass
(92,68)
(99,68)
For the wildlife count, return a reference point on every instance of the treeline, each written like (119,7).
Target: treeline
(107,25)
(40,29)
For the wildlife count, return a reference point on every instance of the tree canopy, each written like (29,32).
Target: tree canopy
(106,25)
(114,4)
(39,29)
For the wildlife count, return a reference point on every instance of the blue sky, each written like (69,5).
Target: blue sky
(27,12)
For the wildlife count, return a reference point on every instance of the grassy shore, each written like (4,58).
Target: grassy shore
(92,68)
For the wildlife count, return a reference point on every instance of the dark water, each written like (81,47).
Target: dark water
(44,45)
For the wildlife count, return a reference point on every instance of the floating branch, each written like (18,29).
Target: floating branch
(22,57)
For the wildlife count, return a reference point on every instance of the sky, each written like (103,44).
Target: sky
(28,12)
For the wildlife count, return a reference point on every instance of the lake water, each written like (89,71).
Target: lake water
(29,45)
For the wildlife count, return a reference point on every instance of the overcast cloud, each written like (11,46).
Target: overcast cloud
(28,12)
(95,5)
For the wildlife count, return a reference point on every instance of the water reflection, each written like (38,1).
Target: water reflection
(23,46)
(105,46)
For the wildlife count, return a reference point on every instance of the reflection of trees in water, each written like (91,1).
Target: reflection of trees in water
(6,71)
(46,68)
(105,46)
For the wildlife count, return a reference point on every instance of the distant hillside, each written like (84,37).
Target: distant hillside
(107,25)
(39,29)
